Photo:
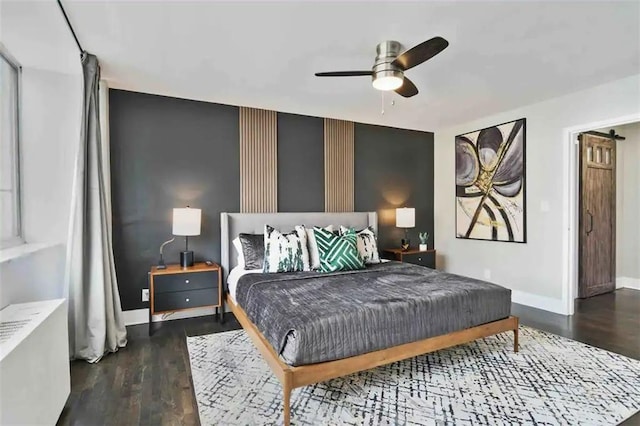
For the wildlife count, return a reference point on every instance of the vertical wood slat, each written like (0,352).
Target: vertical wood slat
(338,165)
(258,160)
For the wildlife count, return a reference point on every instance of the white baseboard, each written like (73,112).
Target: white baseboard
(540,302)
(141,316)
(628,282)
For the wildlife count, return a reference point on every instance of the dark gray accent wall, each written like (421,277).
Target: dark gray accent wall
(394,168)
(166,153)
(300,163)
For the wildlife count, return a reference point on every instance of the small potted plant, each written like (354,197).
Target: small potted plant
(424,237)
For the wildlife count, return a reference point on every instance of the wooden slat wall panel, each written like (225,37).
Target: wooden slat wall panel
(338,165)
(258,160)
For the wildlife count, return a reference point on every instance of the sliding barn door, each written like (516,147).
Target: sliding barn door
(597,227)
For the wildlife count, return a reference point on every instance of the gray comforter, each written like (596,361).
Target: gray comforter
(311,317)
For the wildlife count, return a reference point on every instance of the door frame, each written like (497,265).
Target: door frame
(570,204)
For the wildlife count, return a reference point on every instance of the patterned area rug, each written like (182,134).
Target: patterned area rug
(551,381)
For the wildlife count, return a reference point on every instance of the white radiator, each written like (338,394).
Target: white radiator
(34,362)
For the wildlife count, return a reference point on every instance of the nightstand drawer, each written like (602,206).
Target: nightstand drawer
(422,259)
(182,282)
(185,299)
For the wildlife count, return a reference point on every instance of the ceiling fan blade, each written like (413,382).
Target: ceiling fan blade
(343,73)
(420,53)
(408,89)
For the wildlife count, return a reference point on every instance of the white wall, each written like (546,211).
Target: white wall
(628,203)
(50,132)
(50,113)
(35,276)
(51,108)
(535,271)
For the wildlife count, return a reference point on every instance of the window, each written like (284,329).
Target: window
(10,230)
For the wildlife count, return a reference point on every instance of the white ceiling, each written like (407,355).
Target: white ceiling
(501,55)
(35,34)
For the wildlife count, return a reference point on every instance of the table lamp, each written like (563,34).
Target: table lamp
(186,223)
(405,218)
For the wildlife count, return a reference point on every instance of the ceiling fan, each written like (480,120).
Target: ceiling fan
(388,70)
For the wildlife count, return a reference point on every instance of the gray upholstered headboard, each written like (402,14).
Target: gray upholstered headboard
(232,224)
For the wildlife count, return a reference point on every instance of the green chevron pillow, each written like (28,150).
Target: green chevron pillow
(337,252)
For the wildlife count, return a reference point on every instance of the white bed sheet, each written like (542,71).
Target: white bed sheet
(234,276)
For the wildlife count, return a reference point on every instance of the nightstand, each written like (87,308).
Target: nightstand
(413,255)
(178,289)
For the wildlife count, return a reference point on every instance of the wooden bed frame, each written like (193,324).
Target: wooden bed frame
(295,377)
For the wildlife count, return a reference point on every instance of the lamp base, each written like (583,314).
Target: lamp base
(186,258)
(405,244)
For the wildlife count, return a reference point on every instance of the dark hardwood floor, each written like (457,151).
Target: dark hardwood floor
(610,321)
(149,381)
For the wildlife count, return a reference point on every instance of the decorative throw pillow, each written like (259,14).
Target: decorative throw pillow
(285,252)
(338,252)
(252,250)
(314,255)
(238,246)
(367,245)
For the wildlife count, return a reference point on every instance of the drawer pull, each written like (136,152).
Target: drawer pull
(186,300)
(420,259)
(186,281)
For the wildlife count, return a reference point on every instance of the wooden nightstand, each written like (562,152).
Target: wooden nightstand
(177,289)
(413,255)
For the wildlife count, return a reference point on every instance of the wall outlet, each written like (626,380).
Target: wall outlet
(145,294)
(487,274)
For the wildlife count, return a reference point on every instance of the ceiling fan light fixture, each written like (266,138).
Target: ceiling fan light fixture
(388,70)
(387,80)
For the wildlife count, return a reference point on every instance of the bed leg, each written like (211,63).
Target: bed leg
(515,337)
(286,387)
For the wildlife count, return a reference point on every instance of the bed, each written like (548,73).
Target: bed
(312,327)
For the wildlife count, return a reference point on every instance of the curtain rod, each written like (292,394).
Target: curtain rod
(73,33)
(611,134)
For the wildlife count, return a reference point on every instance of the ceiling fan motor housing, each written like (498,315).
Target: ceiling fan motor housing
(387,52)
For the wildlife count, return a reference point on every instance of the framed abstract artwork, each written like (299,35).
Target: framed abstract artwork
(490,183)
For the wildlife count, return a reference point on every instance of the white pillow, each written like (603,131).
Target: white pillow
(367,245)
(314,254)
(238,246)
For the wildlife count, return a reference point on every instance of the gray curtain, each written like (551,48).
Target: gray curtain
(96,325)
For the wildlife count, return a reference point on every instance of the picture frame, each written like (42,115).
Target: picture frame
(490,167)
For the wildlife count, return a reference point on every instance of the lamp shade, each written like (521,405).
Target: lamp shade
(186,221)
(405,217)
